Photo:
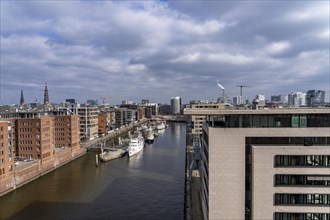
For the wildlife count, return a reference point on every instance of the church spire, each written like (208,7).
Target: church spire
(21,101)
(46,98)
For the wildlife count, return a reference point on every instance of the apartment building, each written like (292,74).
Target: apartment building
(88,120)
(265,164)
(34,138)
(66,131)
(7,149)
(103,123)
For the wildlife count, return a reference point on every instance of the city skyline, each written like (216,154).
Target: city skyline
(161,49)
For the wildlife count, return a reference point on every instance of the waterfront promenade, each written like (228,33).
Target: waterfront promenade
(28,170)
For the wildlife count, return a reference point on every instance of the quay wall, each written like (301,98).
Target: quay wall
(25,173)
(30,171)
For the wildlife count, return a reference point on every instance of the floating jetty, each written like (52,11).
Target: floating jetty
(112,154)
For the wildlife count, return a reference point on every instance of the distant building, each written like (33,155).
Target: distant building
(103,123)
(265,164)
(151,109)
(145,101)
(21,101)
(281,99)
(315,98)
(194,102)
(262,100)
(127,102)
(72,101)
(238,100)
(165,109)
(297,99)
(175,105)
(88,120)
(140,113)
(92,102)
(46,96)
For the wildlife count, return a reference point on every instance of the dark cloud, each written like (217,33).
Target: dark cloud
(156,50)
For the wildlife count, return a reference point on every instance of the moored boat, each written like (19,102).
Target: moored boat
(135,145)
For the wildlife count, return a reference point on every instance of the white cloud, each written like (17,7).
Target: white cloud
(278,47)
(164,49)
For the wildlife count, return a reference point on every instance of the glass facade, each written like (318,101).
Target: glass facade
(302,199)
(270,121)
(302,180)
(302,161)
(301,216)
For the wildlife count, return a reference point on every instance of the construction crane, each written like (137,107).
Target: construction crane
(241,87)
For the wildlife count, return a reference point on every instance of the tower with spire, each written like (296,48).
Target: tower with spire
(46,97)
(21,101)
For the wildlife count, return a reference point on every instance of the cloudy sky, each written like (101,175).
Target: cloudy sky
(160,49)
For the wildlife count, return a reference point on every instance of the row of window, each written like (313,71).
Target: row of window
(292,121)
(302,160)
(302,180)
(301,216)
(25,148)
(301,199)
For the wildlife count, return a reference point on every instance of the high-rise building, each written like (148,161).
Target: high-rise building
(297,99)
(175,105)
(238,100)
(265,164)
(315,98)
(46,96)
(21,101)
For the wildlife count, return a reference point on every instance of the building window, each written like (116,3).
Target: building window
(302,180)
(302,199)
(302,161)
(301,216)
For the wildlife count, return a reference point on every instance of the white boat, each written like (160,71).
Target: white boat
(150,135)
(135,145)
(161,126)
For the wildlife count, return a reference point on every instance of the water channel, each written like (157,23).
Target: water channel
(149,185)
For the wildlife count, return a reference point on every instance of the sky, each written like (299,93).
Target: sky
(133,50)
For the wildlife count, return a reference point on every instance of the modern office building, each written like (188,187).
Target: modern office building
(265,164)
(297,99)
(175,105)
(279,99)
(315,98)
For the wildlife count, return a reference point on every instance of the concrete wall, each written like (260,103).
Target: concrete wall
(263,179)
(227,166)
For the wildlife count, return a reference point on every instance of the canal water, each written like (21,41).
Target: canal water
(149,185)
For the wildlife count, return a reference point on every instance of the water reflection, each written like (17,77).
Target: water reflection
(149,185)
